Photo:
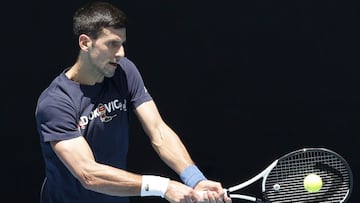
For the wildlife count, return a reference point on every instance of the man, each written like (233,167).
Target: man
(83,122)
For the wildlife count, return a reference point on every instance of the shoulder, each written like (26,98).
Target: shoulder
(126,62)
(128,66)
(56,93)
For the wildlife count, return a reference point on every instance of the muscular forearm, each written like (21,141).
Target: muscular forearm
(170,149)
(163,139)
(168,144)
(78,158)
(109,180)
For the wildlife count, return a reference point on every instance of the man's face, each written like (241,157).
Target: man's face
(106,51)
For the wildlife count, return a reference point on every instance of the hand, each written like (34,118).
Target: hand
(180,193)
(212,192)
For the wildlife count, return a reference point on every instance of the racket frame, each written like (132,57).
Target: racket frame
(264,174)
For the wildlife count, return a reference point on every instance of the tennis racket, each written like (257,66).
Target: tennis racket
(283,179)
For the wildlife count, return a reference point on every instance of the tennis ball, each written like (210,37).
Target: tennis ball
(312,183)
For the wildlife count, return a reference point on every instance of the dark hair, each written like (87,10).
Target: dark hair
(94,16)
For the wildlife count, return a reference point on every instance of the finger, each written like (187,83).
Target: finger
(189,200)
(205,197)
(227,199)
(213,197)
(219,197)
(219,200)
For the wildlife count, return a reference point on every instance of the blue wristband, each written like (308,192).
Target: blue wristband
(191,175)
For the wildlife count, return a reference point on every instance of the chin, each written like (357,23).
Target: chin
(109,75)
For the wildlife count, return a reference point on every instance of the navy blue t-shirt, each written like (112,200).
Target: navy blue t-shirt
(100,113)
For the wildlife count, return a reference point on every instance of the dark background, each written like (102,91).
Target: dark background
(242,82)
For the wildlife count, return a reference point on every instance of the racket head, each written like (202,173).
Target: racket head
(285,182)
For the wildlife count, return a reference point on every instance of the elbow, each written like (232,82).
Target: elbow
(158,141)
(159,135)
(87,181)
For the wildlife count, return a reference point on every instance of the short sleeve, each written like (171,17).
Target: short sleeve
(56,119)
(137,90)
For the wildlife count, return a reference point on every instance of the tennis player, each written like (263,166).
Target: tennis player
(83,121)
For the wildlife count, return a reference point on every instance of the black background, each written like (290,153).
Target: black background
(242,82)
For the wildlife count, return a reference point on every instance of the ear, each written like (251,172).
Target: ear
(84,42)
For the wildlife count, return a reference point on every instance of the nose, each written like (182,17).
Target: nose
(120,53)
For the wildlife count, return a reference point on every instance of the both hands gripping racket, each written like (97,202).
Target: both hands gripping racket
(283,179)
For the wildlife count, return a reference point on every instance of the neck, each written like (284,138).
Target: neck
(81,74)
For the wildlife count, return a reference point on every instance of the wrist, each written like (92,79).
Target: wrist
(191,176)
(152,185)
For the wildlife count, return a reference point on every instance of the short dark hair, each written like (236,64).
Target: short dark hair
(91,18)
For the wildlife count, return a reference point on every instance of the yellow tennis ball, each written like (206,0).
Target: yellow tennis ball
(312,183)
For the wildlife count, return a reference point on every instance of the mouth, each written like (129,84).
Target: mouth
(113,64)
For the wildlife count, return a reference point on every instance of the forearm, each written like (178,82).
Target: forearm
(116,182)
(109,180)
(170,148)
(167,143)
(78,158)
(174,154)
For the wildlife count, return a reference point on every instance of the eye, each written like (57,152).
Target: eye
(115,44)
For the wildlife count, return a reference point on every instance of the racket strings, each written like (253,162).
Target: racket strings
(285,181)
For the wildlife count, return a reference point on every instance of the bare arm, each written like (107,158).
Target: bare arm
(172,151)
(163,139)
(77,156)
